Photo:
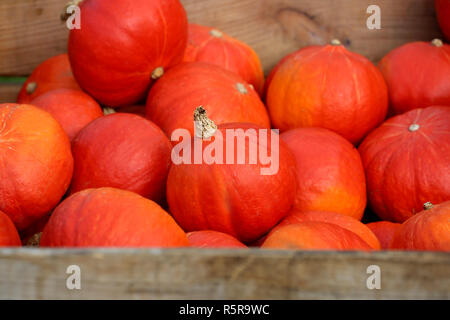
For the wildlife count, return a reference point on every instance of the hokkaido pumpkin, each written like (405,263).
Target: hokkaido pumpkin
(443,14)
(54,73)
(428,230)
(37,164)
(384,230)
(330,174)
(213,239)
(123,151)
(225,96)
(407,162)
(9,237)
(417,75)
(314,235)
(213,46)
(123,46)
(73,109)
(240,197)
(341,220)
(109,217)
(328,87)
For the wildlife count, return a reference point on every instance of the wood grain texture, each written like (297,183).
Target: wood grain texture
(221,274)
(31,30)
(9,92)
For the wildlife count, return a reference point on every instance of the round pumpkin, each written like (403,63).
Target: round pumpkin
(330,174)
(428,230)
(407,162)
(328,87)
(213,239)
(341,220)
(384,230)
(417,75)
(123,46)
(314,235)
(37,163)
(443,14)
(210,45)
(9,237)
(53,73)
(226,97)
(123,151)
(109,217)
(244,199)
(73,109)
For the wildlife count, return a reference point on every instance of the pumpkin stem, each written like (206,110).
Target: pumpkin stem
(437,43)
(336,42)
(216,33)
(241,88)
(428,206)
(35,240)
(205,128)
(64,15)
(108,110)
(157,73)
(414,127)
(31,87)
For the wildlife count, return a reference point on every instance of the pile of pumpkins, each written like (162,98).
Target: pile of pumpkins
(85,152)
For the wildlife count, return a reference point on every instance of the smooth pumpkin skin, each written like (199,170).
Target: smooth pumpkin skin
(213,239)
(109,217)
(232,198)
(443,14)
(328,87)
(428,230)
(224,95)
(121,44)
(37,163)
(404,168)
(9,237)
(73,109)
(53,73)
(314,235)
(384,230)
(417,75)
(213,46)
(123,151)
(330,174)
(341,220)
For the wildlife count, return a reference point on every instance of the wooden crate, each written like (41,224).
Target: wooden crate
(31,31)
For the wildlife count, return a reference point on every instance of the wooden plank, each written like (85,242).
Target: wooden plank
(31,30)
(9,92)
(221,274)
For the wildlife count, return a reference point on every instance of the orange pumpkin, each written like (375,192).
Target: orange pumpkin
(443,14)
(407,163)
(428,230)
(329,87)
(54,73)
(37,163)
(213,46)
(110,217)
(213,239)
(9,237)
(384,230)
(330,174)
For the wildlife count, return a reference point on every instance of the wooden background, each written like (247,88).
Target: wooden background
(31,30)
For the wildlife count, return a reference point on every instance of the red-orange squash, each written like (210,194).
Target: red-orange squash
(123,151)
(330,174)
(73,109)
(109,217)
(384,230)
(314,235)
(213,46)
(428,230)
(53,73)
(122,46)
(417,75)
(226,97)
(443,14)
(341,220)
(407,163)
(37,164)
(328,87)
(9,237)
(239,199)
(213,239)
